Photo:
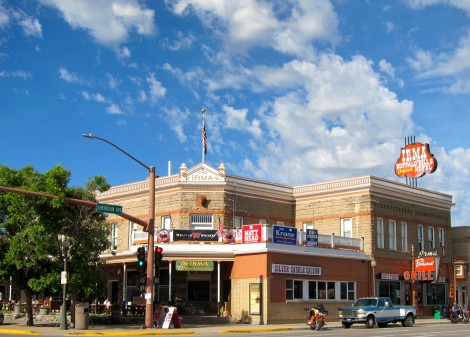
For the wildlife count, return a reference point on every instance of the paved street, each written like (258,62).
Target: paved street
(425,327)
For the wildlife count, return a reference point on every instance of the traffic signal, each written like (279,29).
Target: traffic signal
(141,256)
(158,257)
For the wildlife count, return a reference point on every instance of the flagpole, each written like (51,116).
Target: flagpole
(203,136)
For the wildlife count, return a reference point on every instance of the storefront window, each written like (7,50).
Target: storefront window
(294,289)
(312,290)
(347,291)
(435,294)
(390,289)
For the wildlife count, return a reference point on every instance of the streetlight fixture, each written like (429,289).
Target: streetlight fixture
(150,229)
(373,264)
(63,308)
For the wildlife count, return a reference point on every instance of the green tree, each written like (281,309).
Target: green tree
(30,228)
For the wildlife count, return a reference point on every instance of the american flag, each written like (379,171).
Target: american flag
(221,230)
(204,139)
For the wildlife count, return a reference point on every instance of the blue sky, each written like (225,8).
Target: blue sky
(295,92)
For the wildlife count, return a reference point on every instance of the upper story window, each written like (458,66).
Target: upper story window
(166,222)
(307,225)
(420,238)
(237,222)
(380,233)
(346,227)
(392,234)
(201,221)
(458,270)
(404,237)
(431,239)
(441,237)
(114,236)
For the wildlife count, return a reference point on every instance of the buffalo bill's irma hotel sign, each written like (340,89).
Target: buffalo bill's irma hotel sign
(415,161)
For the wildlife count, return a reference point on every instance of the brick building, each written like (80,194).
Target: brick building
(369,232)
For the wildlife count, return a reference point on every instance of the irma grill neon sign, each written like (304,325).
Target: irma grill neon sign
(415,161)
(424,267)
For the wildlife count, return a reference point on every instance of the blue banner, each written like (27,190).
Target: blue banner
(285,235)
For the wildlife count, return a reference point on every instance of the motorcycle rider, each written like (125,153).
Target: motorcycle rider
(455,309)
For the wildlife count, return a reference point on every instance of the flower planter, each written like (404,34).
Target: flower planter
(44,311)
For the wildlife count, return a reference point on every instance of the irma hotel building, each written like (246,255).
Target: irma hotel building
(283,248)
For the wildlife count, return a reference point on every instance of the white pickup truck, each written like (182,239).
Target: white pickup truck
(377,310)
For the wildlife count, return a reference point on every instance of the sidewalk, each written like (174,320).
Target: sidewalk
(18,326)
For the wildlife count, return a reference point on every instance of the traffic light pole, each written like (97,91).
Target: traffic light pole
(150,229)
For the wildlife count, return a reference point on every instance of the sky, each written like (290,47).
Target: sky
(295,92)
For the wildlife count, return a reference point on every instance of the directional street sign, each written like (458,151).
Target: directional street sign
(103,208)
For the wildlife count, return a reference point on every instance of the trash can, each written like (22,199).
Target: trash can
(82,317)
(437,312)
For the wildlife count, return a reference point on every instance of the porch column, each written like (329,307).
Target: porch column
(170,271)
(218,289)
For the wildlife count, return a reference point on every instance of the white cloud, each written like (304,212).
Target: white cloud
(68,76)
(113,109)
(156,90)
(108,22)
(181,42)
(177,120)
(454,65)
(390,26)
(4,19)
(237,119)
(31,27)
(289,29)
(420,4)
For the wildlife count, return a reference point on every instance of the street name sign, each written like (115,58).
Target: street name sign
(104,208)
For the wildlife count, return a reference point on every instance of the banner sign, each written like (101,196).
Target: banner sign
(284,234)
(312,238)
(252,233)
(295,269)
(415,161)
(194,265)
(195,235)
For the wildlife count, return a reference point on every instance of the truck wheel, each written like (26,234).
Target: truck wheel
(370,322)
(346,325)
(408,321)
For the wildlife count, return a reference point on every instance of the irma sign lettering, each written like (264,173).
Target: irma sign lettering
(415,161)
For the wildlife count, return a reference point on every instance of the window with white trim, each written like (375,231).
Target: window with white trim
(458,270)
(347,290)
(404,237)
(237,222)
(307,225)
(321,290)
(201,221)
(380,233)
(431,240)
(420,238)
(346,227)
(166,222)
(392,235)
(441,237)
(294,289)
(114,236)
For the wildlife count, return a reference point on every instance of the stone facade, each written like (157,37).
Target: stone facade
(359,203)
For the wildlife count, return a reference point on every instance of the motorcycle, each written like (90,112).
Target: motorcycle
(317,317)
(459,316)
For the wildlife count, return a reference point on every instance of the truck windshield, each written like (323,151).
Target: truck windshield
(366,302)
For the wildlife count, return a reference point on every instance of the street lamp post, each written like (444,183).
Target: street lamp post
(150,229)
(63,308)
(373,264)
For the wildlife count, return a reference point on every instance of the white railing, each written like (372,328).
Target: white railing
(324,240)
